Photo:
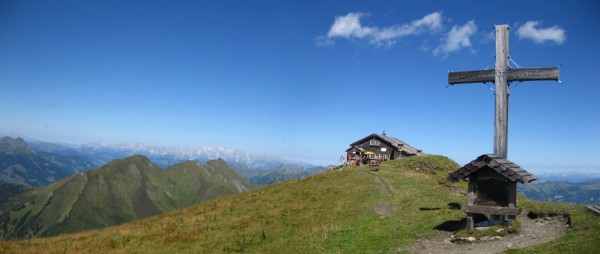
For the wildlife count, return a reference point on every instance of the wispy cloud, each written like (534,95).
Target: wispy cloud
(350,27)
(457,38)
(530,31)
(323,41)
(489,37)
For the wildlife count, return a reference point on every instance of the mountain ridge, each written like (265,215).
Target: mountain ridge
(120,191)
(10,145)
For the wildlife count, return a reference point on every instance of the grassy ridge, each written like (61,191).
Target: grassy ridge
(332,212)
(276,218)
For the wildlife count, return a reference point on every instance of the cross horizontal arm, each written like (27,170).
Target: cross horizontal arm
(531,74)
(465,77)
(521,74)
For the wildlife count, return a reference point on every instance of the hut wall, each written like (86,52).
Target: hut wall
(396,155)
(382,149)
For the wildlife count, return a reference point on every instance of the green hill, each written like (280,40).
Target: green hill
(271,176)
(9,190)
(339,211)
(121,191)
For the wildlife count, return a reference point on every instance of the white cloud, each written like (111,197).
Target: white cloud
(323,41)
(457,38)
(489,37)
(530,31)
(349,26)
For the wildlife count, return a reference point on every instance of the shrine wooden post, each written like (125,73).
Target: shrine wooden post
(501,76)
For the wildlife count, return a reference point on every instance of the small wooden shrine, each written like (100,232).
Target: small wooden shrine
(492,188)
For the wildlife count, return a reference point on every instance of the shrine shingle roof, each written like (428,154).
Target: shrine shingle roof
(505,167)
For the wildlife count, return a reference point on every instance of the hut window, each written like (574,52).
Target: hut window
(374,142)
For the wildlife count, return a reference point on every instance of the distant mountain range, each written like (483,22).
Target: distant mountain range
(37,163)
(101,153)
(571,176)
(579,193)
(21,165)
(570,187)
(121,191)
(52,188)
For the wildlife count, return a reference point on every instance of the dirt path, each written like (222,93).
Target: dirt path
(383,208)
(533,232)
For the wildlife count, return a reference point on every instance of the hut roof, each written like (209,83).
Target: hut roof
(394,142)
(505,167)
(360,149)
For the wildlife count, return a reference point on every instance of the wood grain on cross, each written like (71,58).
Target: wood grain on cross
(501,76)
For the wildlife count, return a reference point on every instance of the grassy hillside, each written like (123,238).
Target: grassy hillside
(342,211)
(121,191)
(271,176)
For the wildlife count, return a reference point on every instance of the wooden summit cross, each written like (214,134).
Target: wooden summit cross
(501,76)
(493,178)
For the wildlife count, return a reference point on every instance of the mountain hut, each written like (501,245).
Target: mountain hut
(379,146)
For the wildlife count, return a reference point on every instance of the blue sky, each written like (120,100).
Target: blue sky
(300,79)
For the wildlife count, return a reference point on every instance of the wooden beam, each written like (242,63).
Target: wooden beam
(470,222)
(521,74)
(465,77)
(594,208)
(501,112)
(491,210)
(532,74)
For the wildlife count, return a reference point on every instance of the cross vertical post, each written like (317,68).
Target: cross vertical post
(501,113)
